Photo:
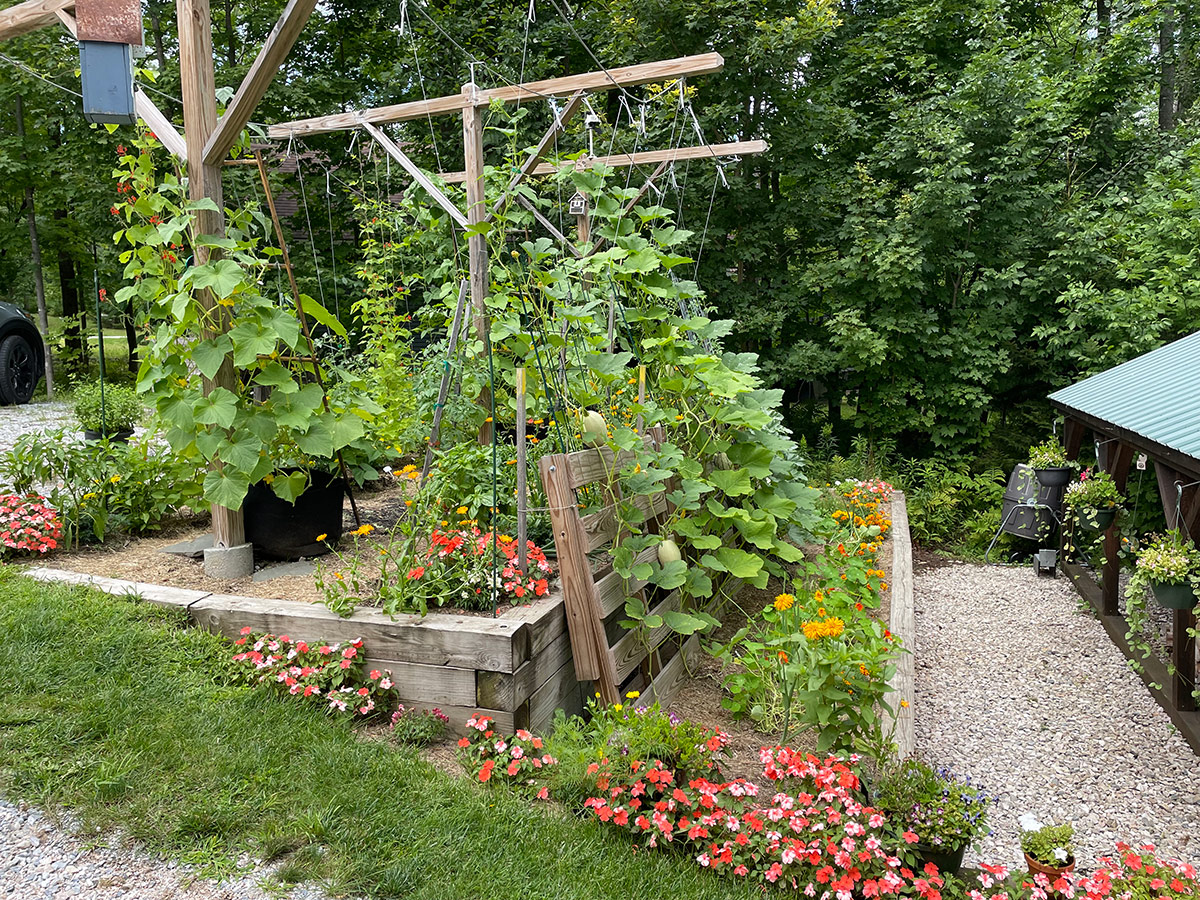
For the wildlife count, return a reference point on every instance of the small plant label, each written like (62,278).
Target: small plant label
(1141,462)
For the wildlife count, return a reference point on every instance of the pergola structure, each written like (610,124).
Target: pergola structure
(1144,411)
(207,139)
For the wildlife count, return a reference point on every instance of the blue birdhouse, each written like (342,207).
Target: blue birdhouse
(106,71)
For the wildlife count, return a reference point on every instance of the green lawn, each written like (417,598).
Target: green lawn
(115,710)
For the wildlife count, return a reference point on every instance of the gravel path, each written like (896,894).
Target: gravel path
(1018,688)
(42,860)
(44,415)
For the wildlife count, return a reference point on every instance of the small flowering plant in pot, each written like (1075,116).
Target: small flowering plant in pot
(1094,499)
(1049,463)
(1049,849)
(1170,565)
(947,813)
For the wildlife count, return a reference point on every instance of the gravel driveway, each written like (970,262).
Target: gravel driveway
(44,415)
(1018,688)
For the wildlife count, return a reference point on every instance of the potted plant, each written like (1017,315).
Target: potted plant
(109,413)
(1050,464)
(1094,499)
(1049,849)
(1170,564)
(946,813)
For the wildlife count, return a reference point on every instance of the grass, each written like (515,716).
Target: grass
(117,711)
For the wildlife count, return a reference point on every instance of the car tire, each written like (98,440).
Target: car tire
(18,370)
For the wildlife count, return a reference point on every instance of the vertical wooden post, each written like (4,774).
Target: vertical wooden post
(1117,459)
(477,249)
(641,396)
(522,477)
(204,182)
(1178,509)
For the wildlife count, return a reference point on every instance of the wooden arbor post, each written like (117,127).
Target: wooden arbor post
(1181,506)
(477,248)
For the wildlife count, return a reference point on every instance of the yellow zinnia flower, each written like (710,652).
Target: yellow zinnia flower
(784,602)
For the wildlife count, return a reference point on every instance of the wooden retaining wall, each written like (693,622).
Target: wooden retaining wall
(902,625)
(516,667)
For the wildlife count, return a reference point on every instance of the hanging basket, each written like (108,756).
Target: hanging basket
(1174,596)
(1055,477)
(1097,519)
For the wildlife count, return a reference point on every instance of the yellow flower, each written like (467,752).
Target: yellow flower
(321,537)
(784,602)
(505,539)
(89,496)
(823,628)
(904,704)
(618,707)
(413,476)
(115,479)
(632,695)
(267,479)
(409,468)
(363,530)
(462,510)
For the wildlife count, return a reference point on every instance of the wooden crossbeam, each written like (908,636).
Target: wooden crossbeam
(158,123)
(626,76)
(30,16)
(391,149)
(625,160)
(540,150)
(278,44)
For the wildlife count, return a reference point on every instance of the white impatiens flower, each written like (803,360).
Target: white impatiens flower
(1028,822)
(1060,854)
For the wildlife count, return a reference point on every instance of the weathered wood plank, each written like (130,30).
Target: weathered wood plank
(162,127)
(262,72)
(647,157)
(626,76)
(501,690)
(440,685)
(30,16)
(674,674)
(546,618)
(630,650)
(561,690)
(472,642)
(391,149)
(596,465)
(592,661)
(903,627)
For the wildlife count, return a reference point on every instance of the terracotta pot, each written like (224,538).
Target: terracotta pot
(1051,872)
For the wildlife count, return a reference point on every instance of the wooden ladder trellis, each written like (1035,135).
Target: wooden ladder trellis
(594,594)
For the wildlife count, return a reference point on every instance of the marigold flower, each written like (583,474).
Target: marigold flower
(321,537)
(784,602)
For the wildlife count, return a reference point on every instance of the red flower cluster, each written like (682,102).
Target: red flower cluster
(474,549)
(330,673)
(517,759)
(1130,873)
(820,840)
(28,523)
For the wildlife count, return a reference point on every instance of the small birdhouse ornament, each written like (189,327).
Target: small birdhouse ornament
(579,204)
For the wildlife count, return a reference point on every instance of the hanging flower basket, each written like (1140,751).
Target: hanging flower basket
(1097,519)
(1054,477)
(1174,596)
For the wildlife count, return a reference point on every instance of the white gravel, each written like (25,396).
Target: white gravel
(43,860)
(43,415)
(1020,689)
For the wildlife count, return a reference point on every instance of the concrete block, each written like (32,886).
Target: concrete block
(229,563)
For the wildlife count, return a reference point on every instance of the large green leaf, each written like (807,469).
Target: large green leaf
(218,408)
(221,277)
(226,487)
(250,341)
(734,482)
(208,355)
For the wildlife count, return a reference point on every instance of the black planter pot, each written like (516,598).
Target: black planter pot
(1174,596)
(948,860)
(283,530)
(1097,519)
(1058,476)
(120,437)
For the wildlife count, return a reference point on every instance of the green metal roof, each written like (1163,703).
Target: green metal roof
(1155,395)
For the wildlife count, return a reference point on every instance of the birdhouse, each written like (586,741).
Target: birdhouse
(578,204)
(108,30)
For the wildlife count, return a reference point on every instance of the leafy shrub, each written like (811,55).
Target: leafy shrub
(1049,454)
(1092,491)
(945,502)
(109,410)
(103,487)
(316,672)
(418,727)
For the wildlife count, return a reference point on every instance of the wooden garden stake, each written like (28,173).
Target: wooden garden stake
(641,396)
(522,485)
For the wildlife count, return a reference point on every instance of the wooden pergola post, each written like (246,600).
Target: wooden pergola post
(1117,460)
(1180,507)
(477,248)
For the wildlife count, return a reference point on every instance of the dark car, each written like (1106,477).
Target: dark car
(22,355)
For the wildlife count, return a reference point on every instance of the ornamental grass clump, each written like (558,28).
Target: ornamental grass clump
(947,812)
